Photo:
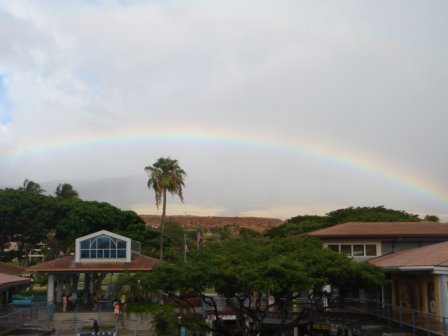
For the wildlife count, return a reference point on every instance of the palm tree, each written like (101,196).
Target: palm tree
(32,187)
(65,190)
(165,175)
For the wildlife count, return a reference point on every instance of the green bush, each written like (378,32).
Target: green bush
(165,320)
(28,292)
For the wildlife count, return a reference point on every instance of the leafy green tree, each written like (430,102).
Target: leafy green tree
(65,190)
(31,187)
(298,225)
(174,241)
(165,320)
(246,272)
(221,232)
(148,237)
(370,214)
(164,317)
(431,218)
(302,224)
(248,233)
(165,175)
(174,233)
(29,218)
(26,218)
(84,217)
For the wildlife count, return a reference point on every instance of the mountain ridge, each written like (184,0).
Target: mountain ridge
(259,224)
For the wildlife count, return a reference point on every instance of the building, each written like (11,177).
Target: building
(11,281)
(95,255)
(366,240)
(419,278)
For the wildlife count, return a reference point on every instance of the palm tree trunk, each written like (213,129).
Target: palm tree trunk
(162,224)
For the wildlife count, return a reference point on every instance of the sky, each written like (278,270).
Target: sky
(273,108)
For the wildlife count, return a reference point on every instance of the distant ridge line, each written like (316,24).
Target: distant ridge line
(259,224)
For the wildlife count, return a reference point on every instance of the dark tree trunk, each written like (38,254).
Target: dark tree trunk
(162,224)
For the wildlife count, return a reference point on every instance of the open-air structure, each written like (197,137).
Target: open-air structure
(10,281)
(95,255)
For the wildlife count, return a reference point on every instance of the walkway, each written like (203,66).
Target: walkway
(414,320)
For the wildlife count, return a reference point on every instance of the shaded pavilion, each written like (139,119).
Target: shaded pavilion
(11,269)
(10,281)
(97,253)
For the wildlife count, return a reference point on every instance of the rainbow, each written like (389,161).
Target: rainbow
(353,161)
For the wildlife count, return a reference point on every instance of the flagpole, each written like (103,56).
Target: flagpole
(198,236)
(185,247)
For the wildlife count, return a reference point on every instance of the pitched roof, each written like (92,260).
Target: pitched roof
(10,269)
(139,262)
(382,229)
(103,232)
(430,255)
(7,280)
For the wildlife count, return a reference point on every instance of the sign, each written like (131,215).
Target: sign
(221,317)
(320,326)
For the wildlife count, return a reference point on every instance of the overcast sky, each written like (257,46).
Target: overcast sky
(273,108)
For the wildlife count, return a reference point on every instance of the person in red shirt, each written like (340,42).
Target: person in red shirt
(116,310)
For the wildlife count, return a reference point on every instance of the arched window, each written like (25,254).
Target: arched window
(103,247)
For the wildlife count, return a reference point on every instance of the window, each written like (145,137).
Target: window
(371,250)
(346,249)
(103,247)
(355,250)
(334,248)
(358,250)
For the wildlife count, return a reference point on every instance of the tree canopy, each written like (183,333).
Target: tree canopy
(31,187)
(29,218)
(246,271)
(65,190)
(431,218)
(165,175)
(370,214)
(25,217)
(306,223)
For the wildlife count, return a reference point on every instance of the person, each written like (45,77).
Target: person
(64,303)
(85,297)
(95,301)
(70,303)
(325,298)
(116,310)
(311,296)
(123,302)
(96,327)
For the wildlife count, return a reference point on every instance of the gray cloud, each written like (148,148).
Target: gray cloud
(357,80)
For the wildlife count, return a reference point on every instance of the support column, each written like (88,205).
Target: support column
(59,289)
(50,289)
(91,285)
(68,285)
(86,282)
(86,290)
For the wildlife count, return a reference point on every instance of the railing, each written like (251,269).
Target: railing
(104,307)
(223,304)
(412,319)
(86,328)
(405,318)
(75,317)
(15,319)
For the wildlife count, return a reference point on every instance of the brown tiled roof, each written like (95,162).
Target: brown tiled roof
(430,255)
(7,280)
(10,269)
(382,229)
(139,262)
